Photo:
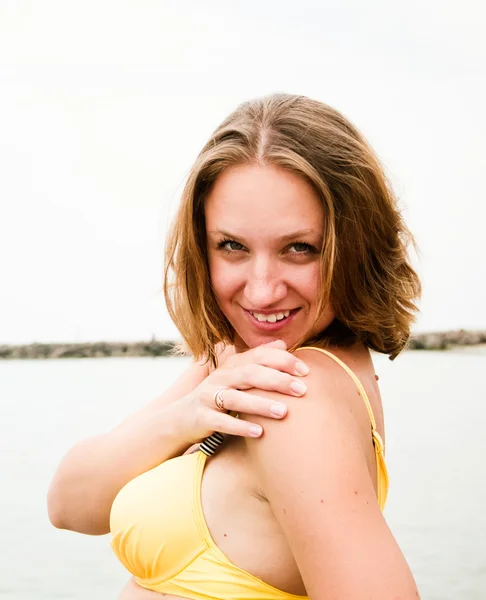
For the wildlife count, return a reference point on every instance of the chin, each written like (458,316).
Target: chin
(245,340)
(252,341)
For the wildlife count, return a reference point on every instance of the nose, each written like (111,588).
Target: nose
(264,285)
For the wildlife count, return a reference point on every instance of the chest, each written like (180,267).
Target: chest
(241,522)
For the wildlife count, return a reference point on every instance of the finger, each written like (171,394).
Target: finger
(279,359)
(232,426)
(268,356)
(242,402)
(265,378)
(276,344)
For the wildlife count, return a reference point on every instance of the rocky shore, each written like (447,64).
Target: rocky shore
(87,350)
(441,340)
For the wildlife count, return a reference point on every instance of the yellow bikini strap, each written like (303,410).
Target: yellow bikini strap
(355,379)
(382,480)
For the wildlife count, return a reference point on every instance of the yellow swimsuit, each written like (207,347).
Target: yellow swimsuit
(160,535)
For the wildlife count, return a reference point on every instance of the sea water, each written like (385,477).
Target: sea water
(435,415)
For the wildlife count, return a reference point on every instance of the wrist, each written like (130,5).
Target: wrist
(178,419)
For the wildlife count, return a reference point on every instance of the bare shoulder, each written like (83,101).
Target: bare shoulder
(346,374)
(312,468)
(328,415)
(331,374)
(332,398)
(326,431)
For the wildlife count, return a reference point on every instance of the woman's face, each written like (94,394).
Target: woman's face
(265,231)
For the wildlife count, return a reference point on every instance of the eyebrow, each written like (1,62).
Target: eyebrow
(288,236)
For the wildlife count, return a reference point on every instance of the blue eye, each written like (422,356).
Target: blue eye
(301,248)
(230,246)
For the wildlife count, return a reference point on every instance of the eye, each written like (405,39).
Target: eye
(301,248)
(230,246)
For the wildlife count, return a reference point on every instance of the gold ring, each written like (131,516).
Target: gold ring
(219,400)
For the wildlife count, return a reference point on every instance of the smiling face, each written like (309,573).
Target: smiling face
(264,230)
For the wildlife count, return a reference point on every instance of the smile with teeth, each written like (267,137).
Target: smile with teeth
(273,318)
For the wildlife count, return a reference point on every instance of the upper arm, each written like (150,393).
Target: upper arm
(313,471)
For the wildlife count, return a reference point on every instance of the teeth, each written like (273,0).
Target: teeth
(271,318)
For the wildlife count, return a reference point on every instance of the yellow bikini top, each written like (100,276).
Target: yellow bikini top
(160,535)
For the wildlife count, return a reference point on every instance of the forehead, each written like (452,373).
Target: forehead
(262,199)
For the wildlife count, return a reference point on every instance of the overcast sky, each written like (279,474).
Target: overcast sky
(105,104)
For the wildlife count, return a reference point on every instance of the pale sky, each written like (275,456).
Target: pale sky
(105,104)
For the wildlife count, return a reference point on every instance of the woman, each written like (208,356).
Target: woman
(286,264)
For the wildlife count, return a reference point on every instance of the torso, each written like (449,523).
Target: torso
(240,519)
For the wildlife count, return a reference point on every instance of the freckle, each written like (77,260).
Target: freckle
(355,492)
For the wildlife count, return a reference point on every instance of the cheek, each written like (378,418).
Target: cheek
(225,278)
(305,281)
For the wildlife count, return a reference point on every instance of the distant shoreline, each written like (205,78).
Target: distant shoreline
(442,340)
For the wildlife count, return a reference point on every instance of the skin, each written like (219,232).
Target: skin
(270,517)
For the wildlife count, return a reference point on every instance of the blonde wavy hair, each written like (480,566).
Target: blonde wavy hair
(365,271)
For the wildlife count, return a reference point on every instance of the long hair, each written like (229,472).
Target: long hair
(365,272)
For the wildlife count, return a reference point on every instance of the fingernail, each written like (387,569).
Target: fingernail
(298,388)
(301,368)
(278,409)
(255,430)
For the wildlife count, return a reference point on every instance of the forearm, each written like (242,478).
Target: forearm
(94,470)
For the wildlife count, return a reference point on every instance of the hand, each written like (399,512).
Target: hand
(267,367)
